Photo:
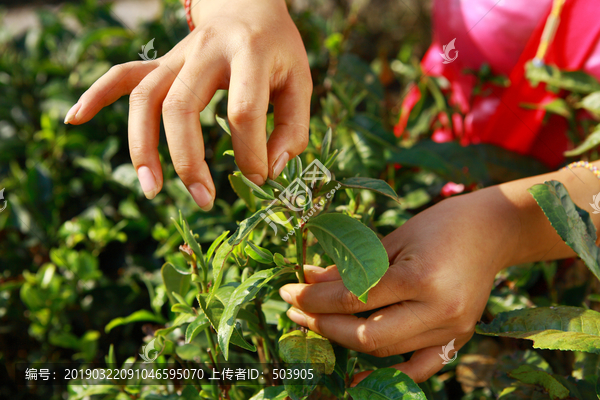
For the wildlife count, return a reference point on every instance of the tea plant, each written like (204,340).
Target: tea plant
(220,295)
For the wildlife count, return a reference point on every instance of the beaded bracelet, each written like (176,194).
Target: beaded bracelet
(584,164)
(188,14)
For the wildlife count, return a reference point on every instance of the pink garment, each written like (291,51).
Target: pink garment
(505,34)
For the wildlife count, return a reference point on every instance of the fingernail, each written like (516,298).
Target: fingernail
(72,113)
(297,316)
(285,296)
(147,181)
(256,178)
(280,164)
(201,196)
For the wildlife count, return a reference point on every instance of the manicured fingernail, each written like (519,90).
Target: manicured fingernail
(147,181)
(297,316)
(72,113)
(280,164)
(256,178)
(201,196)
(285,296)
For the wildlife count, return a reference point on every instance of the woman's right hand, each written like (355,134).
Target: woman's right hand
(250,47)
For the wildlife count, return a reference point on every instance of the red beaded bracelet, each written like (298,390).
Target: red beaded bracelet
(188,14)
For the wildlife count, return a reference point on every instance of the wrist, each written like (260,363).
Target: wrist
(538,241)
(204,10)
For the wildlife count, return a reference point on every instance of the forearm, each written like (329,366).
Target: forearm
(537,239)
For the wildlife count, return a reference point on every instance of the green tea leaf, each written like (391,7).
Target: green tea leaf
(246,226)
(295,168)
(572,224)
(223,124)
(556,106)
(554,328)
(215,244)
(258,191)
(376,185)
(174,281)
(258,253)
(193,329)
(279,260)
(573,81)
(590,142)
(182,308)
(298,347)
(591,102)
(240,296)
(530,375)
(179,298)
(271,393)
(326,145)
(243,191)
(387,384)
(110,358)
(214,314)
(305,351)
(359,255)
(138,316)
(275,185)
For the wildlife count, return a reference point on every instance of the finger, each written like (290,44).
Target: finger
(434,337)
(145,105)
(247,107)
(332,296)
(292,117)
(422,365)
(366,335)
(314,274)
(118,81)
(191,91)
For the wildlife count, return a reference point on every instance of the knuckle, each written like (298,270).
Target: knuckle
(117,69)
(420,376)
(242,112)
(138,153)
(466,328)
(176,106)
(303,300)
(385,352)
(206,36)
(345,301)
(139,96)
(456,309)
(185,169)
(367,341)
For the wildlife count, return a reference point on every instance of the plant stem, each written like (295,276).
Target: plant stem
(200,286)
(213,348)
(299,252)
(263,331)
